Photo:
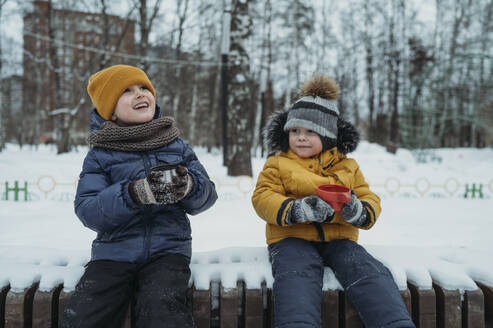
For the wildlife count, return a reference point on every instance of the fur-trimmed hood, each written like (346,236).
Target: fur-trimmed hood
(275,139)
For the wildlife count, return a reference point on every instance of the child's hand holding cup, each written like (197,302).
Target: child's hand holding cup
(335,195)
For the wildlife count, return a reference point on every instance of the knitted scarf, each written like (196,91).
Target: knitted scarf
(142,137)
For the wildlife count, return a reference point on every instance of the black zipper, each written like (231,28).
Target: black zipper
(328,165)
(320,231)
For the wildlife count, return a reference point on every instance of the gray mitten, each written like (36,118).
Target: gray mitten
(311,208)
(354,213)
(163,185)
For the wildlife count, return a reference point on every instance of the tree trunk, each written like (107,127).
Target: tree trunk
(482,94)
(182,16)
(61,132)
(264,76)
(64,142)
(214,121)
(269,94)
(240,104)
(106,57)
(369,69)
(194,107)
(145,24)
(371,88)
(391,54)
(2,115)
(396,64)
(2,109)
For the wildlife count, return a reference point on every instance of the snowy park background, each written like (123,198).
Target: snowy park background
(428,230)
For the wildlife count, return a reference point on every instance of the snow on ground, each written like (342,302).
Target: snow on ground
(427,232)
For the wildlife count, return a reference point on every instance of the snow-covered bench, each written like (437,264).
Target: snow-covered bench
(252,307)
(232,287)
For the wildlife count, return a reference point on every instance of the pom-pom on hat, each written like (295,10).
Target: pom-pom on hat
(316,110)
(107,85)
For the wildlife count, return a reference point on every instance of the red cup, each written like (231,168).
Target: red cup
(335,195)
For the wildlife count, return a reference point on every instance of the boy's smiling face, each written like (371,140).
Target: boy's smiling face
(304,142)
(136,105)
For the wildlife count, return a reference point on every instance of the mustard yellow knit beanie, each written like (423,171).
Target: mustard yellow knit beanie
(107,85)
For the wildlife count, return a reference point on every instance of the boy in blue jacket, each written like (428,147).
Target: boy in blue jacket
(138,183)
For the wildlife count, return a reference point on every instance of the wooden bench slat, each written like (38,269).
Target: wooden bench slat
(351,318)
(473,309)
(448,307)
(330,308)
(19,306)
(215,304)
(3,295)
(63,298)
(254,308)
(228,308)
(271,307)
(348,314)
(243,307)
(45,308)
(488,304)
(423,306)
(265,305)
(406,297)
(202,308)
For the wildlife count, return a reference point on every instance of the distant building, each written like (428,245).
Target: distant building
(77,49)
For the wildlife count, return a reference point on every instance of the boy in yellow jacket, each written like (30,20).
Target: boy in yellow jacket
(308,146)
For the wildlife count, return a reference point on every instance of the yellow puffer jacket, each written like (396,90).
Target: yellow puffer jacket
(286,177)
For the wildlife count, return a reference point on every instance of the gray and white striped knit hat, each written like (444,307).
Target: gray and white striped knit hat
(316,110)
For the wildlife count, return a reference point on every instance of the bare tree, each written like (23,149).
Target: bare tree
(2,114)
(240,107)
(367,39)
(145,26)
(181,13)
(394,71)
(62,123)
(398,75)
(264,75)
(107,43)
(296,29)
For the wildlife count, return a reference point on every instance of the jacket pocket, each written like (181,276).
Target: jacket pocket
(168,158)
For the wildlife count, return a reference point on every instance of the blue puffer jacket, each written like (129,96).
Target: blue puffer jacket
(125,230)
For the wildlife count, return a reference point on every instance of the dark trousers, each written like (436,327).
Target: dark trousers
(157,287)
(298,268)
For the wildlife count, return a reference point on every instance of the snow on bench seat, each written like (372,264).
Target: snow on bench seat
(234,285)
